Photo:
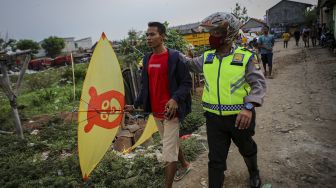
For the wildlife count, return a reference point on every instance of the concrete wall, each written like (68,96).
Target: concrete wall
(253,25)
(69,44)
(84,44)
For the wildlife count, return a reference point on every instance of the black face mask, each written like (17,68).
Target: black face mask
(215,42)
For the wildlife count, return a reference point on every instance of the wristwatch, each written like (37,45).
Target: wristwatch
(248,106)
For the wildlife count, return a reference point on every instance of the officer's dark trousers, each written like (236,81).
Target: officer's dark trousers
(220,131)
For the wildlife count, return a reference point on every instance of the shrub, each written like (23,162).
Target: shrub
(80,72)
(38,81)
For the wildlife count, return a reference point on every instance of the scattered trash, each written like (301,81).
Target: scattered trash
(45,155)
(285,130)
(318,119)
(150,155)
(206,149)
(59,173)
(31,144)
(158,155)
(128,156)
(64,154)
(276,161)
(185,137)
(35,132)
(204,183)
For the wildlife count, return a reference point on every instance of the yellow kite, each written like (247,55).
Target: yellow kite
(149,130)
(101,105)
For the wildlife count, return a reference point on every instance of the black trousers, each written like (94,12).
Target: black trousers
(220,131)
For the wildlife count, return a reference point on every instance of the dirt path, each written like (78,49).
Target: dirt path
(296,127)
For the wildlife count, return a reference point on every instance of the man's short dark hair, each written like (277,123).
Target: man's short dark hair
(266,27)
(160,26)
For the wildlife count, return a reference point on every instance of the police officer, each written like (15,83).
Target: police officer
(234,86)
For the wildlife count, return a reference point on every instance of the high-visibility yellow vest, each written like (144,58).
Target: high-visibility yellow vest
(225,85)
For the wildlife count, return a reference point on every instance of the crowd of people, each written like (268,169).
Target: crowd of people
(313,34)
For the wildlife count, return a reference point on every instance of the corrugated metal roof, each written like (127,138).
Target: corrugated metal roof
(188,28)
(87,38)
(255,19)
(293,1)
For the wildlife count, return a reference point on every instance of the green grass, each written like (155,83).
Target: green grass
(193,120)
(47,92)
(22,163)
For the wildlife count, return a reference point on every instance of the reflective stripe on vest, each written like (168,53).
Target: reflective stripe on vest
(225,85)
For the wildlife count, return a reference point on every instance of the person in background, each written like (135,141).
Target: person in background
(297,35)
(266,43)
(285,37)
(305,36)
(313,34)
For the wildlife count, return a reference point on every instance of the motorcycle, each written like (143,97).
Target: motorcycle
(328,40)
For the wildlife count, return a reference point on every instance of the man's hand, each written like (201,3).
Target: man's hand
(129,108)
(244,118)
(170,109)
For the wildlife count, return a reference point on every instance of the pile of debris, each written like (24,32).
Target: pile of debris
(130,132)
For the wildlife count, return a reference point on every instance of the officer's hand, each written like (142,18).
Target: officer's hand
(129,108)
(170,109)
(244,118)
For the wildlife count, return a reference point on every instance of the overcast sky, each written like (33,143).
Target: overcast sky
(38,19)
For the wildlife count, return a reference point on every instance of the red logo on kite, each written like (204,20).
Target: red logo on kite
(104,110)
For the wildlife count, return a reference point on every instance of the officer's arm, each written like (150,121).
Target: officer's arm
(257,82)
(194,64)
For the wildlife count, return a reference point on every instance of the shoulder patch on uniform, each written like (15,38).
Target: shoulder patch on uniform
(209,58)
(238,58)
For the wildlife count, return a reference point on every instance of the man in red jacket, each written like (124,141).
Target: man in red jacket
(165,92)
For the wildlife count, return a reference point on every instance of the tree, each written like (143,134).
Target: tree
(175,40)
(10,43)
(311,15)
(135,46)
(240,13)
(53,46)
(129,46)
(27,44)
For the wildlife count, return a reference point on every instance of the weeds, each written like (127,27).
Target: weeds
(193,120)
(40,160)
